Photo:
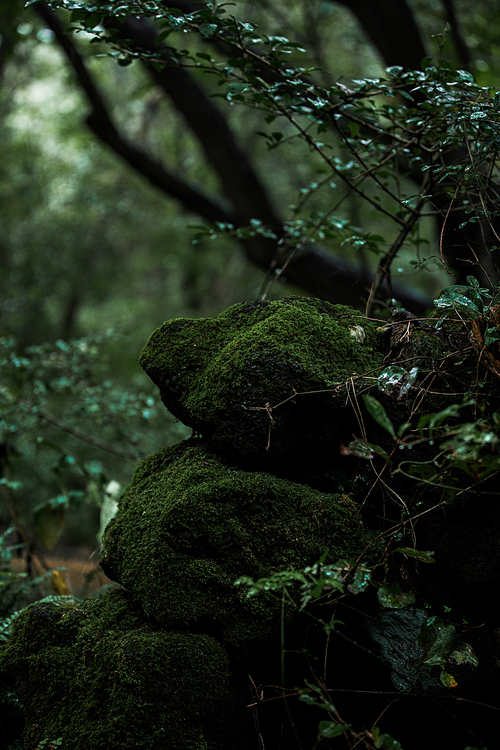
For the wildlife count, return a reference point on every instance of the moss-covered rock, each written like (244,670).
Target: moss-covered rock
(165,661)
(189,525)
(96,675)
(231,377)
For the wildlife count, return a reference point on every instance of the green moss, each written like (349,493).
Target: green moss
(190,524)
(96,675)
(217,375)
(147,665)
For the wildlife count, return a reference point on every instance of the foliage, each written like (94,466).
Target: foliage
(409,145)
(319,585)
(70,436)
(15,588)
(409,148)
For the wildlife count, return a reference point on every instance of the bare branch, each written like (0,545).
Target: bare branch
(101,124)
(314,270)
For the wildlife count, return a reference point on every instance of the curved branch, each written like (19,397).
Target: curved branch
(101,124)
(313,270)
(224,154)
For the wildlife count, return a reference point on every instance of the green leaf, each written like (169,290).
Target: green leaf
(491,336)
(233,89)
(176,22)
(461,298)
(447,680)
(361,579)
(331,729)
(207,29)
(402,428)
(385,740)
(353,129)
(437,641)
(390,596)
(378,413)
(396,381)
(362,449)
(425,557)
(464,654)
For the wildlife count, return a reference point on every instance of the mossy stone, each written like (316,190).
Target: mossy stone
(189,525)
(96,675)
(231,378)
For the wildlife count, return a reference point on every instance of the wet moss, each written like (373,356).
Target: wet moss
(228,377)
(147,665)
(190,524)
(97,676)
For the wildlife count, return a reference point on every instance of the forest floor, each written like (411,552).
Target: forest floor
(77,572)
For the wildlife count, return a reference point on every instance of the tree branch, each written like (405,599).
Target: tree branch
(391,26)
(314,270)
(238,178)
(100,122)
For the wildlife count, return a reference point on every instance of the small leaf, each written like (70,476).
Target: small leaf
(354,129)
(207,29)
(448,680)
(361,579)
(390,596)
(385,740)
(491,336)
(464,654)
(396,381)
(425,557)
(362,449)
(331,729)
(464,298)
(437,641)
(402,428)
(378,413)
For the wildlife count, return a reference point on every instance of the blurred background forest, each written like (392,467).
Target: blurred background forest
(98,216)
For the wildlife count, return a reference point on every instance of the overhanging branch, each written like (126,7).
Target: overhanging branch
(103,127)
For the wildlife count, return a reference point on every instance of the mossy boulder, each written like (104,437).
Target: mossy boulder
(190,524)
(267,381)
(97,676)
(166,661)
